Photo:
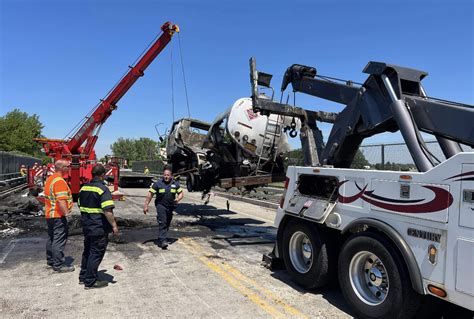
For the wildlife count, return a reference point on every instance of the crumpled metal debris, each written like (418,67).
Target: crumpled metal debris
(9,232)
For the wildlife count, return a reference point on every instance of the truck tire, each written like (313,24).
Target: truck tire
(306,254)
(190,182)
(374,279)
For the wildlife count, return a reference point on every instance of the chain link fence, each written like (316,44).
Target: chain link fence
(396,156)
(389,156)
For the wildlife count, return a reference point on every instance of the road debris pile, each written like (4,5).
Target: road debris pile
(19,213)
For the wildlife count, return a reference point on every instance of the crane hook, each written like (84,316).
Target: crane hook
(293,133)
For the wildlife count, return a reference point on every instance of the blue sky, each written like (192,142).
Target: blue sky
(58,58)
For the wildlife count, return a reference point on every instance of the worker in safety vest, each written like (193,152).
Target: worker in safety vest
(23,170)
(58,204)
(146,171)
(96,206)
(165,190)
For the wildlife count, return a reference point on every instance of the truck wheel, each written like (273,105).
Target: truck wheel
(374,279)
(306,255)
(190,182)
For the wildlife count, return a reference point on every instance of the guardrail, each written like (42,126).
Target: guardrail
(8,176)
(5,192)
(13,181)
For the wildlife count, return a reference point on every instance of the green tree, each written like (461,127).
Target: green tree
(162,143)
(146,149)
(359,161)
(17,131)
(125,148)
(135,150)
(295,157)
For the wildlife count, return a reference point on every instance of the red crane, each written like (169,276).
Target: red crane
(79,149)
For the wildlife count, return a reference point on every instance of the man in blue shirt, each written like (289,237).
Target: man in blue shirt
(166,200)
(97,217)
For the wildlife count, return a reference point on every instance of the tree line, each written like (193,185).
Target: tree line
(295,157)
(17,133)
(18,130)
(142,149)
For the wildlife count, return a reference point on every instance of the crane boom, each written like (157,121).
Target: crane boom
(80,148)
(104,110)
(58,149)
(391,99)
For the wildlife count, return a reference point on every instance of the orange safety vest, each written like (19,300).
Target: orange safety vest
(56,189)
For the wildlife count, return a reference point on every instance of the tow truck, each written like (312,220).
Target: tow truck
(79,149)
(389,237)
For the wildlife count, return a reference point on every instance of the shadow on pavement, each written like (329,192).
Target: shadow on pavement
(331,293)
(104,276)
(208,221)
(432,308)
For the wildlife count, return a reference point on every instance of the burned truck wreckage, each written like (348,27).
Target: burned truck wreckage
(247,144)
(239,148)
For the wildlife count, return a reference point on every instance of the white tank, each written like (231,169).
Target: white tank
(247,129)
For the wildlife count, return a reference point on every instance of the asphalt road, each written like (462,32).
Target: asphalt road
(212,269)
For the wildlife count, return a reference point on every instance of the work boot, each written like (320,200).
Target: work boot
(97,284)
(163,245)
(64,268)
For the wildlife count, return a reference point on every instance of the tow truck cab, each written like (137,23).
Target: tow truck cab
(409,231)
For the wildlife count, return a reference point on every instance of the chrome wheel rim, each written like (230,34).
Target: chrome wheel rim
(369,278)
(301,252)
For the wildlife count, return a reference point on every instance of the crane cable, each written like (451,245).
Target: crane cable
(184,75)
(184,79)
(172,83)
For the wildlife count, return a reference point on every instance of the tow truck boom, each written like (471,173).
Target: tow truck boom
(391,99)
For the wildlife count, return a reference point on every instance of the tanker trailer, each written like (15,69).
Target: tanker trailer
(242,148)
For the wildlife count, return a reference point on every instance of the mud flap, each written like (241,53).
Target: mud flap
(272,262)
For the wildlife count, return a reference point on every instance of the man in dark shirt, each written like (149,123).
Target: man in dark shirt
(165,190)
(96,206)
